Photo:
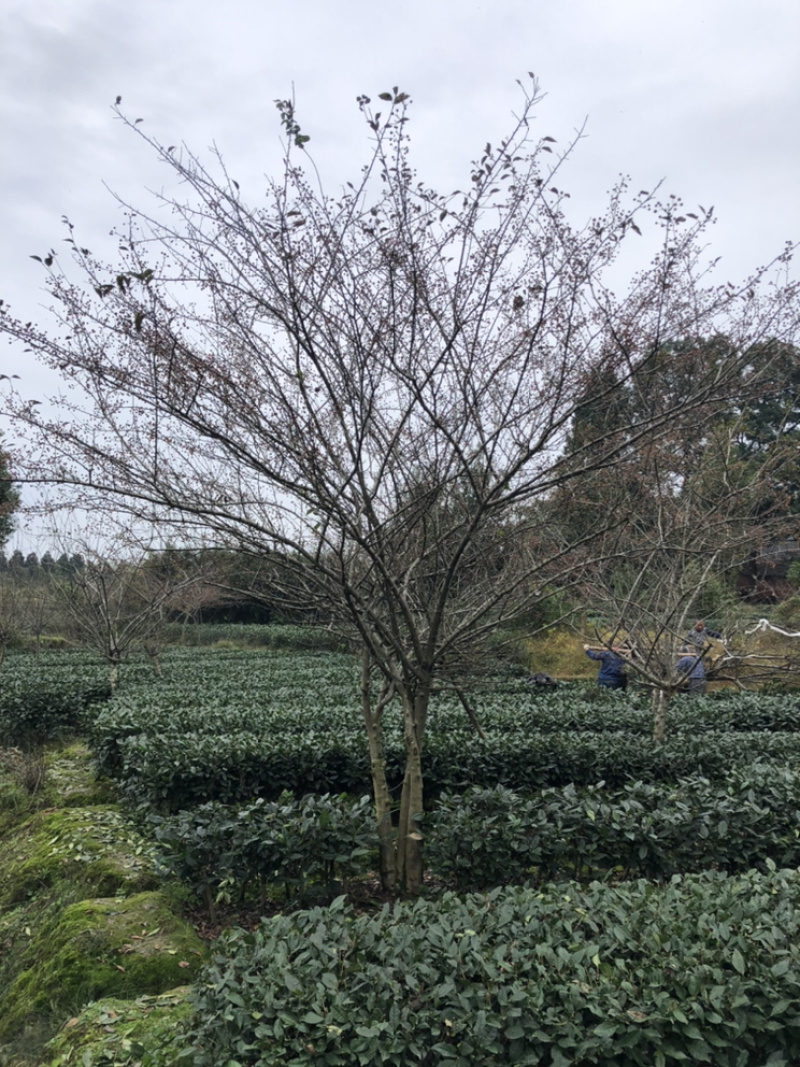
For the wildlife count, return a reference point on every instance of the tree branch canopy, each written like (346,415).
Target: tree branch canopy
(375,388)
(377,383)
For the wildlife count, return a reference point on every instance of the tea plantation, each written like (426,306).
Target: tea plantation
(592,898)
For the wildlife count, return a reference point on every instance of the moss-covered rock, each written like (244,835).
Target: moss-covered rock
(99,948)
(87,846)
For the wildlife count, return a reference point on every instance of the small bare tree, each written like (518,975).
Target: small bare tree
(120,605)
(14,603)
(691,509)
(373,388)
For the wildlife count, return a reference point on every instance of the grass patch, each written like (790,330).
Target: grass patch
(560,654)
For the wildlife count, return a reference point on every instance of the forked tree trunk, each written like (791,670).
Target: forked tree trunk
(113,673)
(409,839)
(387,839)
(660,704)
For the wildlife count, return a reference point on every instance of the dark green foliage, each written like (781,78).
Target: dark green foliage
(173,772)
(705,969)
(178,772)
(492,837)
(9,499)
(234,725)
(39,707)
(291,844)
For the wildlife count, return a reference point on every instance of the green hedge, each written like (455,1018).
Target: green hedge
(34,711)
(490,837)
(291,845)
(174,772)
(578,708)
(232,725)
(705,969)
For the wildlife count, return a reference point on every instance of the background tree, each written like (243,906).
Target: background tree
(372,389)
(117,606)
(9,498)
(700,506)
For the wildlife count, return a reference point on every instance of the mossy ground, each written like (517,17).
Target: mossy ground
(80,918)
(108,946)
(70,777)
(122,1033)
(92,847)
(67,780)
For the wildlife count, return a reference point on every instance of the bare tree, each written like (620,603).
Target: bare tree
(120,605)
(373,388)
(14,608)
(692,507)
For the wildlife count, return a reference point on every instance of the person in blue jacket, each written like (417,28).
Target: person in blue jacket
(690,666)
(612,672)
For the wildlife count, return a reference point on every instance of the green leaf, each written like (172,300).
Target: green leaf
(737,959)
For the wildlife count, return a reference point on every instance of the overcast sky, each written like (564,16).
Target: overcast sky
(704,94)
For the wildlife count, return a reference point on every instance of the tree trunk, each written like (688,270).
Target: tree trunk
(377,760)
(660,705)
(409,838)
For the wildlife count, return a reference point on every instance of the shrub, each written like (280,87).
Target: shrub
(490,837)
(33,711)
(705,969)
(293,844)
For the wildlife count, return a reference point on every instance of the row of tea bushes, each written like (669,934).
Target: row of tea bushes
(289,845)
(253,635)
(705,969)
(174,772)
(290,692)
(489,837)
(46,698)
(578,709)
(125,718)
(486,838)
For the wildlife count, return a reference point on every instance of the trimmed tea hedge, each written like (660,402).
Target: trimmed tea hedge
(174,772)
(705,969)
(493,837)
(234,725)
(292,844)
(35,709)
